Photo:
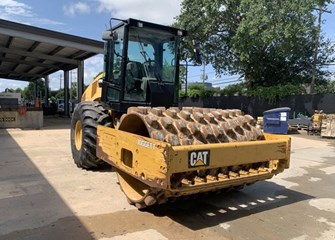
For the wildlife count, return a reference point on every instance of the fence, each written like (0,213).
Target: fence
(305,104)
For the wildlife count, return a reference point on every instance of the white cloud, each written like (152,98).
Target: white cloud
(12,3)
(16,11)
(75,8)
(93,66)
(158,11)
(6,83)
(11,8)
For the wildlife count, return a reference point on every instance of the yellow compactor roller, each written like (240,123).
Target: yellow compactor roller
(129,118)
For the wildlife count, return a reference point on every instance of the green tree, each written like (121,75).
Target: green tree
(233,89)
(329,87)
(267,42)
(29,92)
(73,90)
(59,94)
(18,90)
(11,90)
(197,90)
(277,92)
(182,76)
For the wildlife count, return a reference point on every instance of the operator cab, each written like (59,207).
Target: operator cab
(141,65)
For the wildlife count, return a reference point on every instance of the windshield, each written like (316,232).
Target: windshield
(151,57)
(155,50)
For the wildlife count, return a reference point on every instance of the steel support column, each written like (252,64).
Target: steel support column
(80,80)
(35,90)
(66,93)
(46,91)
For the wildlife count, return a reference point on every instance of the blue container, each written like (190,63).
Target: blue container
(276,120)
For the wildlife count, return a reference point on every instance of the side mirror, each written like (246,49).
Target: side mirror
(109,35)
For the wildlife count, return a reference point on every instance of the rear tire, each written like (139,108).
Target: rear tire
(85,119)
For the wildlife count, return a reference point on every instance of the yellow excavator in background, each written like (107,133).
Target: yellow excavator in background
(129,118)
(316,122)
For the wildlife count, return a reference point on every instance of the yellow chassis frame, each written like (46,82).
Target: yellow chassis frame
(154,162)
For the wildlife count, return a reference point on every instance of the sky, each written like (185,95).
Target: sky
(89,18)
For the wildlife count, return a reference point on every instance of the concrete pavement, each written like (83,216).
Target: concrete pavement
(45,196)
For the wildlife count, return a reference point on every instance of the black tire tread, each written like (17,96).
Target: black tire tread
(90,114)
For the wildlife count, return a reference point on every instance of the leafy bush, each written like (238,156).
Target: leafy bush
(269,94)
(182,94)
(329,87)
(274,93)
(194,93)
(198,90)
(232,90)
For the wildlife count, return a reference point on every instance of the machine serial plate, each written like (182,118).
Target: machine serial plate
(145,144)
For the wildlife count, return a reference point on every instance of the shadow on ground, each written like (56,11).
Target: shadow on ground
(211,210)
(56,122)
(204,217)
(28,201)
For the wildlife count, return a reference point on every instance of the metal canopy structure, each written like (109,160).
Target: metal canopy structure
(29,53)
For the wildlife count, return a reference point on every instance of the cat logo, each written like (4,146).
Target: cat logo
(198,158)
